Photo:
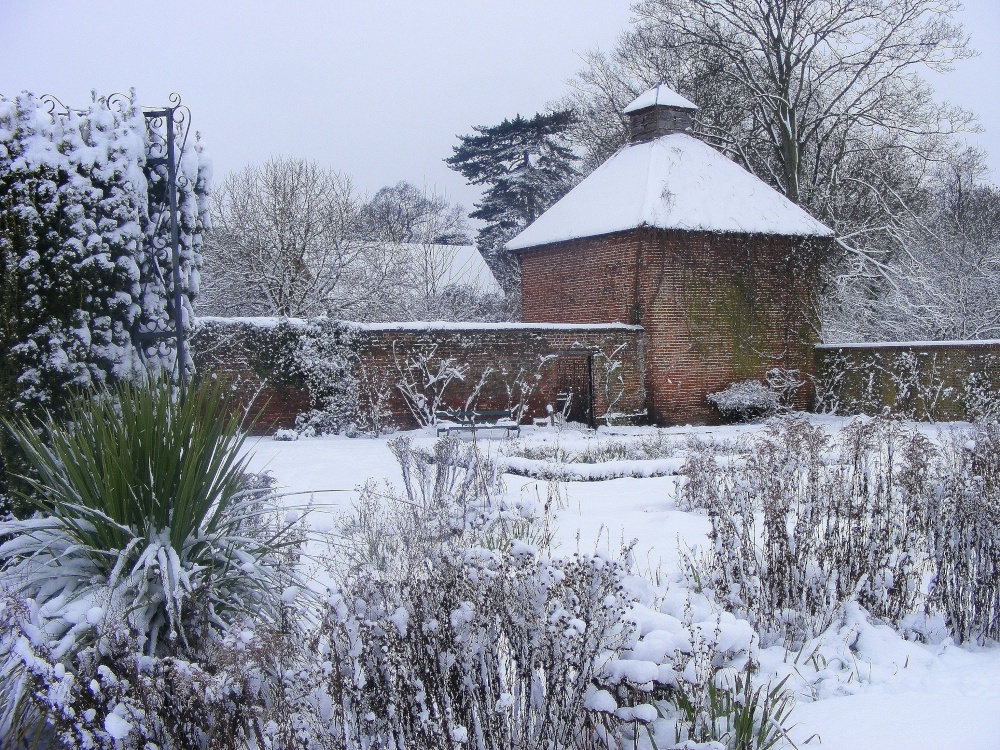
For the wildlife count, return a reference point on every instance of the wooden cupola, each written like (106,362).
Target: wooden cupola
(658,112)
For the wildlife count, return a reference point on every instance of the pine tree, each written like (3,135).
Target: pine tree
(526,166)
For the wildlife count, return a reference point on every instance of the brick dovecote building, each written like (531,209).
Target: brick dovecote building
(720,269)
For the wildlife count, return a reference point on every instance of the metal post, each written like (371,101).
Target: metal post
(175,248)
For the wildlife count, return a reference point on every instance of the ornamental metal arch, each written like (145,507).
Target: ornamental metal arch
(165,126)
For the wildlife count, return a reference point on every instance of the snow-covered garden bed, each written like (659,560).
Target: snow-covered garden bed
(411,591)
(859,682)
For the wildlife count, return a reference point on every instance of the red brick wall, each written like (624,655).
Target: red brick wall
(255,357)
(716,308)
(503,352)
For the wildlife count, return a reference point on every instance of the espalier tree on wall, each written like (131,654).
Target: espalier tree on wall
(86,272)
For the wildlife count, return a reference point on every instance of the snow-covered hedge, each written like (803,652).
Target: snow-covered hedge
(84,264)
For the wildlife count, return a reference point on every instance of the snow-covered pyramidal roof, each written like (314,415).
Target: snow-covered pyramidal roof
(671,181)
(661,96)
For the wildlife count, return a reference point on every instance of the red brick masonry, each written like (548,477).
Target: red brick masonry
(717,308)
(255,356)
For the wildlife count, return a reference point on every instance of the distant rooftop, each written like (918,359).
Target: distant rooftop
(453,265)
(659,95)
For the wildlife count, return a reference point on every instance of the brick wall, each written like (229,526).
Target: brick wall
(935,381)
(716,308)
(496,356)
(255,356)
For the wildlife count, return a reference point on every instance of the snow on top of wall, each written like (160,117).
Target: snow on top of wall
(909,344)
(426,325)
(262,321)
(447,325)
(659,95)
(673,182)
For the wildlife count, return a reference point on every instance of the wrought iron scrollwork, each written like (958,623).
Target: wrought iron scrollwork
(167,131)
(53,105)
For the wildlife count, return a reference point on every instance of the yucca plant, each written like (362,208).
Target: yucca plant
(147,530)
(143,505)
(735,713)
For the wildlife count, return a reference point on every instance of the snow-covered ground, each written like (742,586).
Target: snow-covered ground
(885,693)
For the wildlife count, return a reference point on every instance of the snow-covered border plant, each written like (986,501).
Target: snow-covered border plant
(423,378)
(879,515)
(125,598)
(325,355)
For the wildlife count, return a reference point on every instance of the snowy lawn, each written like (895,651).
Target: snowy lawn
(869,689)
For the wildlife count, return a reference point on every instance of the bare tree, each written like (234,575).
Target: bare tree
(823,99)
(426,230)
(290,240)
(791,88)
(945,283)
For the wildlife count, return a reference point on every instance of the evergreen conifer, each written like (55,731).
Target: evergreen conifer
(526,165)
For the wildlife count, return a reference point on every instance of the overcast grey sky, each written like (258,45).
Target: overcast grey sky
(375,88)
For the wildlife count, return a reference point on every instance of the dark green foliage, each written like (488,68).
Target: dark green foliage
(61,321)
(137,460)
(526,166)
(84,244)
(736,711)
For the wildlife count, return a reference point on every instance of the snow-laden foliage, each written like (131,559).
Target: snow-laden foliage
(965,535)
(452,624)
(753,399)
(123,601)
(746,400)
(446,622)
(84,265)
(326,357)
(810,523)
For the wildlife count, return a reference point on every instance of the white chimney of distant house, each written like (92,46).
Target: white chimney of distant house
(659,111)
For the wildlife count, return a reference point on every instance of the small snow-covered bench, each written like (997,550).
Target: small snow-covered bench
(470,421)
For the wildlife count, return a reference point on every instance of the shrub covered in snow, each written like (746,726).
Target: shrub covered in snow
(754,399)
(153,564)
(85,249)
(965,534)
(452,624)
(811,523)
(84,264)
(746,400)
(325,356)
